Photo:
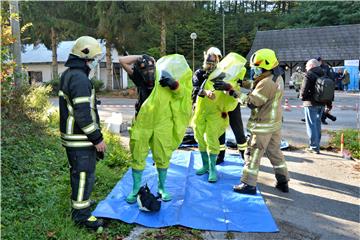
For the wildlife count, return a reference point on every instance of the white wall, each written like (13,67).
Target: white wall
(46,70)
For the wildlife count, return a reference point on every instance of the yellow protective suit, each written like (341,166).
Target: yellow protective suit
(162,120)
(210,118)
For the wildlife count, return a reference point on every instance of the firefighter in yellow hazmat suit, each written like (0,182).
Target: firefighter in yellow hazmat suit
(210,117)
(161,121)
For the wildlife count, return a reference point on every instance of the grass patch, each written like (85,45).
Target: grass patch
(351,141)
(172,233)
(36,185)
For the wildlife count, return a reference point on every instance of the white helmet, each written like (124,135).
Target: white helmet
(86,47)
(210,61)
(214,51)
(298,68)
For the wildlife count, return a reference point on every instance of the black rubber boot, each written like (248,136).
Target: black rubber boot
(245,189)
(92,223)
(284,187)
(242,152)
(282,183)
(220,157)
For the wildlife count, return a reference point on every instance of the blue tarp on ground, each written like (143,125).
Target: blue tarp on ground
(196,203)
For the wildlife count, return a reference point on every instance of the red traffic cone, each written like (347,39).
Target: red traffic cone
(287,106)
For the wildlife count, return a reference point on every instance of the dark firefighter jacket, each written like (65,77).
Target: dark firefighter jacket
(79,118)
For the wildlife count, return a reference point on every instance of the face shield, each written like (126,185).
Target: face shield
(94,63)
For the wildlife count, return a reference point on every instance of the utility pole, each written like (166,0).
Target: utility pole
(193,36)
(16,49)
(223,28)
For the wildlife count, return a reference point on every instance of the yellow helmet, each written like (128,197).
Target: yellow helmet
(264,58)
(86,47)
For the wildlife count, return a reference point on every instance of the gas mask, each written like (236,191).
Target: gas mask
(146,67)
(210,63)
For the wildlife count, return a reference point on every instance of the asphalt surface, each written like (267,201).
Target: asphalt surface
(323,202)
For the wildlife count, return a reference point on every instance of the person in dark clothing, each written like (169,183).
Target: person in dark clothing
(329,72)
(312,109)
(211,58)
(338,80)
(141,70)
(80,127)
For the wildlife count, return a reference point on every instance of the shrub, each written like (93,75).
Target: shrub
(36,103)
(98,84)
(55,85)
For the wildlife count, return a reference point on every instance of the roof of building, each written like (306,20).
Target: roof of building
(301,44)
(40,54)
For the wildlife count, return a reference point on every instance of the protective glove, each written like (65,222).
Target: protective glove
(99,156)
(167,80)
(221,85)
(243,98)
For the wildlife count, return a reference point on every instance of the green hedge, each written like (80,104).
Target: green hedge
(36,185)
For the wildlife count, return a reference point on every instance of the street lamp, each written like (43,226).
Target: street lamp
(193,36)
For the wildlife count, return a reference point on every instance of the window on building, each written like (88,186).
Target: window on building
(35,77)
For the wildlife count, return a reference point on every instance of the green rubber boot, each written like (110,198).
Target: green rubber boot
(212,168)
(136,174)
(165,196)
(205,162)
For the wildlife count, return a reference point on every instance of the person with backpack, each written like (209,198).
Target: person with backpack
(315,93)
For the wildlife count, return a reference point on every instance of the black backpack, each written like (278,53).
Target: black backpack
(324,89)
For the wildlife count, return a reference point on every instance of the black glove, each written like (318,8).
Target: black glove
(167,80)
(221,85)
(206,75)
(99,156)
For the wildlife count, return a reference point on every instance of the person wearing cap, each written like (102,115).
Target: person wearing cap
(265,121)
(80,127)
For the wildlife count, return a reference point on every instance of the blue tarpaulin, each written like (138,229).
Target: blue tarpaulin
(196,203)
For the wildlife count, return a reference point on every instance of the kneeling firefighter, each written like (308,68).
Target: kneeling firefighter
(211,112)
(79,127)
(161,121)
(265,121)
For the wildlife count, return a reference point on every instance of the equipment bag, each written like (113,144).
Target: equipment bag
(324,90)
(147,201)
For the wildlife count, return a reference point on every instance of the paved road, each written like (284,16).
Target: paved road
(293,130)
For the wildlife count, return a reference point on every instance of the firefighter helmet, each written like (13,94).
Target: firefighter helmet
(264,58)
(86,47)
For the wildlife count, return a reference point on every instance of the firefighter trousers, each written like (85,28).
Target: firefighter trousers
(260,144)
(82,177)
(237,127)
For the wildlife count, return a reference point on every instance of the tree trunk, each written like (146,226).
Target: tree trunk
(54,63)
(109,82)
(163,35)
(16,48)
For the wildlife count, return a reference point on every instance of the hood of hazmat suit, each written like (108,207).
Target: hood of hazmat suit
(230,69)
(165,105)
